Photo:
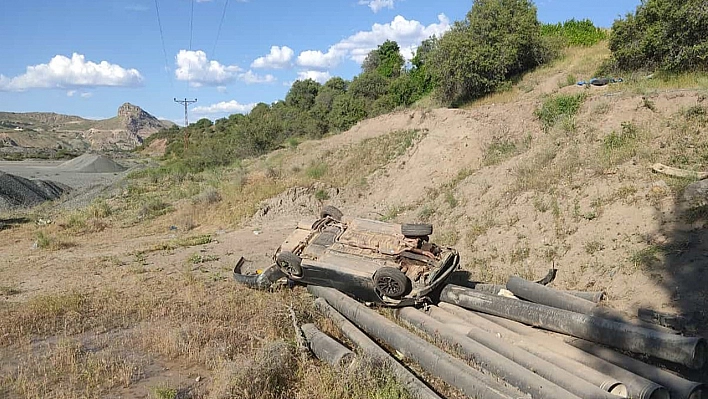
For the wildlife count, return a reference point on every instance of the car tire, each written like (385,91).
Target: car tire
(331,211)
(391,282)
(416,229)
(290,264)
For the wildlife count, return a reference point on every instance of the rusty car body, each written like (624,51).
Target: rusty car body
(378,262)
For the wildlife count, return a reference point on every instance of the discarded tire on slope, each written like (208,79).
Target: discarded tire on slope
(413,385)
(451,314)
(509,370)
(434,360)
(689,351)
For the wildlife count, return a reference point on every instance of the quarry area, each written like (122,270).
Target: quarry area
(116,278)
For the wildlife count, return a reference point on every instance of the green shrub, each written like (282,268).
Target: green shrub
(619,147)
(316,170)
(498,40)
(152,208)
(668,35)
(556,108)
(575,33)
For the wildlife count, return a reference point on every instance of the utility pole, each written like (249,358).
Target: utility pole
(186,103)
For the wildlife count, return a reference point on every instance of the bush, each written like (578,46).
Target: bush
(498,40)
(575,33)
(668,35)
(556,108)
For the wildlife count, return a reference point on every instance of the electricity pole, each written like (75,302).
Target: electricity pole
(186,103)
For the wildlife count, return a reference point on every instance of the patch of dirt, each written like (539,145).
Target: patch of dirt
(157,148)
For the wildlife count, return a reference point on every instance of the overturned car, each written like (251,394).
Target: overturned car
(386,263)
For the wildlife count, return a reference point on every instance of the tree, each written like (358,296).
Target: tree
(346,111)
(302,94)
(403,90)
(386,60)
(337,84)
(669,35)
(512,28)
(423,52)
(421,80)
(368,86)
(371,62)
(497,40)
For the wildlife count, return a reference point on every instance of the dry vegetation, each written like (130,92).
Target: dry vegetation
(132,297)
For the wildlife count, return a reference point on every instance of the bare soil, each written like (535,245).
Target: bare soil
(555,198)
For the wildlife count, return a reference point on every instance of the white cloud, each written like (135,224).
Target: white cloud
(377,5)
(86,95)
(224,107)
(279,57)
(64,72)
(320,60)
(250,78)
(194,67)
(407,33)
(221,89)
(317,76)
(70,93)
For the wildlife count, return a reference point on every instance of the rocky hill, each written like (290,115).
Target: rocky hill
(36,132)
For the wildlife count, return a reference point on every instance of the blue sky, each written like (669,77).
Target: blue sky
(87,57)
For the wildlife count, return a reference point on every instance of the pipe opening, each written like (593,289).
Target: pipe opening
(619,389)
(658,393)
(699,392)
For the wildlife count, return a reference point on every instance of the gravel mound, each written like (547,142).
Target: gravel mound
(16,191)
(91,163)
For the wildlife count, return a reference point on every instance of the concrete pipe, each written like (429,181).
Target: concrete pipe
(637,386)
(493,289)
(689,351)
(487,358)
(327,348)
(448,313)
(562,300)
(558,376)
(415,387)
(679,388)
(433,359)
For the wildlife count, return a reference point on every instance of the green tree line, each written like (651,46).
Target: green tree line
(497,41)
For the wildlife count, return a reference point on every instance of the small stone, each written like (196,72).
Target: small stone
(199,378)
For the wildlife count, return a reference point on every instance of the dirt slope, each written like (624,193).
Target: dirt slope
(553,200)
(132,284)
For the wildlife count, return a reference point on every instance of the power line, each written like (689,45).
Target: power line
(162,40)
(191,26)
(218,32)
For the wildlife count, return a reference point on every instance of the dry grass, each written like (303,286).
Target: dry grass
(580,62)
(202,322)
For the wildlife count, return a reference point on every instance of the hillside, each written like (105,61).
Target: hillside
(545,174)
(38,131)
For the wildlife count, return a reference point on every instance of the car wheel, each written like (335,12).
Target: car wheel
(391,282)
(289,263)
(416,229)
(331,211)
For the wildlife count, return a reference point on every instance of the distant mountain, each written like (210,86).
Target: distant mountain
(51,131)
